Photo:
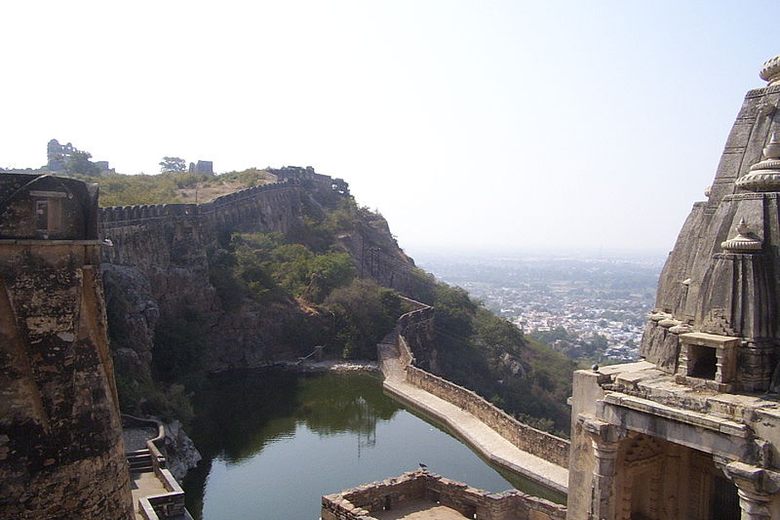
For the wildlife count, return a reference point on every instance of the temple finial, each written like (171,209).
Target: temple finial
(772,148)
(770,72)
(765,174)
(744,242)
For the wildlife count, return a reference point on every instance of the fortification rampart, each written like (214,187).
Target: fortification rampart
(61,453)
(158,236)
(118,216)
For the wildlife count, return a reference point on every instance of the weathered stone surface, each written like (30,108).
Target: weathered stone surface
(378,499)
(720,275)
(679,436)
(180,452)
(60,435)
(158,267)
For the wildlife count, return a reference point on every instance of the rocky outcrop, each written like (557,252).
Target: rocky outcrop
(133,314)
(181,455)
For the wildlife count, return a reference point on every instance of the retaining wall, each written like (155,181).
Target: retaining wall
(536,442)
(361,502)
(154,237)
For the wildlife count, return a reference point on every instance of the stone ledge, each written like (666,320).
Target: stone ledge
(696,419)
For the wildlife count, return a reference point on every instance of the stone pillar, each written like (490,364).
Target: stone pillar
(755,506)
(755,487)
(603,507)
(605,441)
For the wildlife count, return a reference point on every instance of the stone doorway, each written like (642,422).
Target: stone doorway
(657,479)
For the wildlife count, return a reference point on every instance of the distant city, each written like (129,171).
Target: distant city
(589,308)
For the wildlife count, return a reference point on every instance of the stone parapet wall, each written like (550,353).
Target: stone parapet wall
(165,505)
(116,216)
(416,326)
(361,502)
(155,237)
(539,443)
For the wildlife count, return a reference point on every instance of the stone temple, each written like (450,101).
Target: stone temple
(693,430)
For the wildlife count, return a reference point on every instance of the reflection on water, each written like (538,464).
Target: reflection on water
(273,442)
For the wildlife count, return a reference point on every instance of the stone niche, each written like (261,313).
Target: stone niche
(708,359)
(44,207)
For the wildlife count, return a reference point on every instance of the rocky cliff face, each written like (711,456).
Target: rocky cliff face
(158,269)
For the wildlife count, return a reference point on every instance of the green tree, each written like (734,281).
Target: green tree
(172,165)
(79,162)
(363,312)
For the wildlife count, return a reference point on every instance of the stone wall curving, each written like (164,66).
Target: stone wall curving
(414,331)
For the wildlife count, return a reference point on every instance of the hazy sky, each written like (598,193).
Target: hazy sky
(481,124)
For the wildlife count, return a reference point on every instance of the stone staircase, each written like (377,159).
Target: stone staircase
(140,461)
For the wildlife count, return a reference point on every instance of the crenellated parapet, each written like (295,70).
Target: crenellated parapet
(160,235)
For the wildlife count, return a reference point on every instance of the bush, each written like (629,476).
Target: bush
(364,312)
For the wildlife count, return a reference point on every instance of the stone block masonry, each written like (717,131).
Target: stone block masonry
(61,450)
(425,492)
(539,443)
(506,442)
(153,237)
(531,440)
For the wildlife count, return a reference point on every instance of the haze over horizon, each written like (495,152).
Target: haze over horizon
(500,125)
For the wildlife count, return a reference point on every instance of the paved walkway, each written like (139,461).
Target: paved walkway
(144,485)
(135,438)
(481,437)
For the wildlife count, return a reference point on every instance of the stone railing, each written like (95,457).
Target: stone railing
(158,457)
(420,486)
(536,442)
(163,505)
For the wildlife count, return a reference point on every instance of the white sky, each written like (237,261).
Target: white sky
(468,124)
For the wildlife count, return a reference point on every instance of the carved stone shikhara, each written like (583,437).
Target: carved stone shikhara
(688,433)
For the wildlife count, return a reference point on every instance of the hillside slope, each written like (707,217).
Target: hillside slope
(301,266)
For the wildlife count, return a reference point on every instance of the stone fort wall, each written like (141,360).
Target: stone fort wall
(155,238)
(164,234)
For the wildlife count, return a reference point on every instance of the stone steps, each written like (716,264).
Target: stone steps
(140,461)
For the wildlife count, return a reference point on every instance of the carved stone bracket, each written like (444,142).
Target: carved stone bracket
(755,487)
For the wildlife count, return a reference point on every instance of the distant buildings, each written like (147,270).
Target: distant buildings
(202,168)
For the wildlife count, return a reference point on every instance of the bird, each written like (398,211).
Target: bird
(423,466)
